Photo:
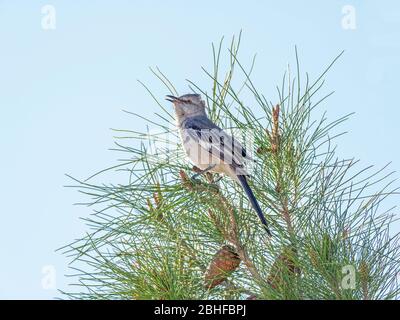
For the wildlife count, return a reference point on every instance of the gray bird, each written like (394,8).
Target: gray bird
(209,147)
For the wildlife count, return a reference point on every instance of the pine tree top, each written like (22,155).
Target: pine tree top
(156,234)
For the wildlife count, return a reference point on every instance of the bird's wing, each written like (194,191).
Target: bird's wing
(215,140)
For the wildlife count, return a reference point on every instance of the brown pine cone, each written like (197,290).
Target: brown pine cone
(283,266)
(224,262)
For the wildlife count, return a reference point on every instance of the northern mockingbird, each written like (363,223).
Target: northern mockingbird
(209,147)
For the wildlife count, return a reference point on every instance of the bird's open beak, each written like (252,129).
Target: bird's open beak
(172,98)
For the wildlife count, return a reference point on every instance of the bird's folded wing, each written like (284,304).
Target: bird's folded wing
(215,141)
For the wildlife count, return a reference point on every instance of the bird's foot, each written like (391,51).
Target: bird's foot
(200,172)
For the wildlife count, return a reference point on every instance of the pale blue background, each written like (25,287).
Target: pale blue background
(61,90)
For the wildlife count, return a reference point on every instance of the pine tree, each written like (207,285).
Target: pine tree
(161,235)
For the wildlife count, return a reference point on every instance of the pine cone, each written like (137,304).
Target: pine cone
(283,266)
(224,262)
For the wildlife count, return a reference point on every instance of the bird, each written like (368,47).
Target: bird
(210,148)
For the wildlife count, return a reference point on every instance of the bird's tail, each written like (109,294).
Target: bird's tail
(243,181)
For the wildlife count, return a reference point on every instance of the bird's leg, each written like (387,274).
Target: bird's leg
(200,172)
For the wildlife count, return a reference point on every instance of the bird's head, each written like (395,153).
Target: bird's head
(188,104)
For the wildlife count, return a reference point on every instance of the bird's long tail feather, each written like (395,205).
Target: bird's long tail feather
(243,181)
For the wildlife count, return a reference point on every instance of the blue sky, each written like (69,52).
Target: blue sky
(62,89)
